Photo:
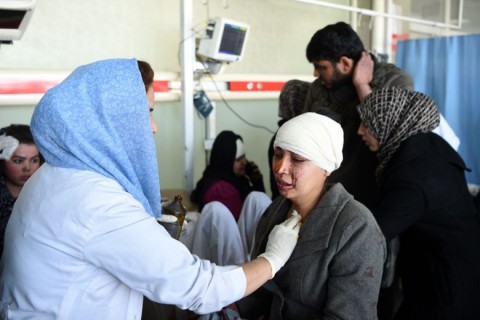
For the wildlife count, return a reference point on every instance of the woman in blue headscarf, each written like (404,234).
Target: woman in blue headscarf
(82,241)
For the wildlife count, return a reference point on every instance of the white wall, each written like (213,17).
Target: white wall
(64,34)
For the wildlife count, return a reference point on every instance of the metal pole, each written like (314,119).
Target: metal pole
(372,13)
(187,63)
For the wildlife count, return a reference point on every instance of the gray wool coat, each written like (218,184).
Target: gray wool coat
(335,270)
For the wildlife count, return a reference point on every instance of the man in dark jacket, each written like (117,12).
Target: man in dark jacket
(337,54)
(344,79)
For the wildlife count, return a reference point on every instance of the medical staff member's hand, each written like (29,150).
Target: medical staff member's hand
(281,242)
(8,145)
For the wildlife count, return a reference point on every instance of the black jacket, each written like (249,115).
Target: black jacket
(424,198)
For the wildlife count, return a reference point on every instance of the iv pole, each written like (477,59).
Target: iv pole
(187,63)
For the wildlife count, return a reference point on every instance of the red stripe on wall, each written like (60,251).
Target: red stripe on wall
(41,86)
(160,85)
(25,86)
(256,85)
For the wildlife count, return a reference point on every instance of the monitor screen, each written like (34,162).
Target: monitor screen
(11,19)
(233,39)
(224,40)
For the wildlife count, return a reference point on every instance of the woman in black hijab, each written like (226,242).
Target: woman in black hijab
(229,177)
(424,199)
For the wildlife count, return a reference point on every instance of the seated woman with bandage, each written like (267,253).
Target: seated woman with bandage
(336,267)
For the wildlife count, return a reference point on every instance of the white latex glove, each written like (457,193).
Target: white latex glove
(281,242)
(8,145)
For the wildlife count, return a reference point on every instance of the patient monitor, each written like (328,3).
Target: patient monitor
(14,18)
(224,40)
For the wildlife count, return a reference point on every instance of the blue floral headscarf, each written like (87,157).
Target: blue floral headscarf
(98,120)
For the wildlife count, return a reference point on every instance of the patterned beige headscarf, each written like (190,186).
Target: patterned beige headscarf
(393,115)
(292,98)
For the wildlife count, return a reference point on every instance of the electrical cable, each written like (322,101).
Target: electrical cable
(194,33)
(232,110)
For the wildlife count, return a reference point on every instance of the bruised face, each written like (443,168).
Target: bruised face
(368,137)
(22,165)
(297,178)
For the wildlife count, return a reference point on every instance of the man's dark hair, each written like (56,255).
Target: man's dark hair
(333,42)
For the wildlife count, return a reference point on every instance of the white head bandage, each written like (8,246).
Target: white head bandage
(314,137)
(240,149)
(8,145)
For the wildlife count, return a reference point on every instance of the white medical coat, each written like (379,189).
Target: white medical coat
(78,246)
